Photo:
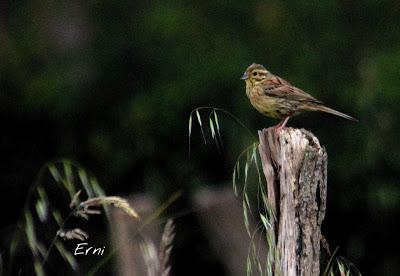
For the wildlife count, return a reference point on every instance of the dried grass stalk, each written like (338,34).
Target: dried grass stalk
(110,200)
(166,247)
(71,234)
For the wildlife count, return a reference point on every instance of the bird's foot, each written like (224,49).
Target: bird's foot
(281,125)
(278,128)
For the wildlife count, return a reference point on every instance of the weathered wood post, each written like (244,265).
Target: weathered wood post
(295,168)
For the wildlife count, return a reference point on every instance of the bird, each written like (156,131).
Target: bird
(275,97)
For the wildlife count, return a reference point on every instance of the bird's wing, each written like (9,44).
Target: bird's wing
(280,88)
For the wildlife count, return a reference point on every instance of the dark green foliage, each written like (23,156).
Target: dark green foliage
(112,83)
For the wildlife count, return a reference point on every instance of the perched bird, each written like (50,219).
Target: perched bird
(274,97)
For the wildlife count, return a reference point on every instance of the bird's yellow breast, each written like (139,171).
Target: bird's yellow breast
(264,104)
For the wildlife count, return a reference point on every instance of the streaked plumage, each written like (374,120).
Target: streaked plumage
(274,97)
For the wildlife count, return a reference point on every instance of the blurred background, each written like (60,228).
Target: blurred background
(111,84)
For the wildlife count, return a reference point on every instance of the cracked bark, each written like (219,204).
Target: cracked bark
(295,168)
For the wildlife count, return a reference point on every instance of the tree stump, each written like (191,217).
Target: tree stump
(295,168)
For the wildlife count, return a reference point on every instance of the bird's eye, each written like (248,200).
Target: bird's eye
(254,73)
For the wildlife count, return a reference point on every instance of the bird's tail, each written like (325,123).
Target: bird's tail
(335,112)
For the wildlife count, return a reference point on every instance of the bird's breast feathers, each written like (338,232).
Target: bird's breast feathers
(266,105)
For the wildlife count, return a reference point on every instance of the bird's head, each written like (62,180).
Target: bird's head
(255,73)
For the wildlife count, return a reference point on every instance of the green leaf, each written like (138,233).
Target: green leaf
(212,129)
(66,255)
(246,218)
(246,170)
(30,232)
(248,266)
(234,181)
(265,221)
(84,178)
(246,198)
(54,172)
(57,217)
(41,210)
(38,268)
(216,121)
(201,126)
(218,129)
(190,125)
(198,117)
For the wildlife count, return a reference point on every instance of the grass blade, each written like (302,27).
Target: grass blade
(190,131)
(212,129)
(201,125)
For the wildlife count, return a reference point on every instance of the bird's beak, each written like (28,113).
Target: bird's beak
(245,76)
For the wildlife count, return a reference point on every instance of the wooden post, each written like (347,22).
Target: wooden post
(294,165)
